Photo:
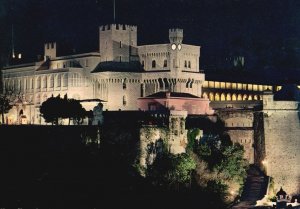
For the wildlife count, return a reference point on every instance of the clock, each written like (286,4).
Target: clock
(179,46)
(173,46)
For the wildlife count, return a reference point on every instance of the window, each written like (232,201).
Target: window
(58,80)
(120,58)
(45,82)
(47,45)
(165,63)
(153,64)
(51,81)
(124,100)
(65,80)
(143,63)
(124,84)
(39,82)
(86,63)
(185,63)
(120,44)
(189,64)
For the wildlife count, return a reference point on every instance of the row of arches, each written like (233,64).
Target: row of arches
(230,96)
(38,82)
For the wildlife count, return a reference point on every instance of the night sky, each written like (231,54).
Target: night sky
(265,32)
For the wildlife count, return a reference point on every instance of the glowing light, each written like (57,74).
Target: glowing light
(19,56)
(264,162)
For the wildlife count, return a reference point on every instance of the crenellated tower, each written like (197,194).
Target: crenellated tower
(175,37)
(118,43)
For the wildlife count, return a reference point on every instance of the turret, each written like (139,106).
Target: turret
(118,43)
(49,50)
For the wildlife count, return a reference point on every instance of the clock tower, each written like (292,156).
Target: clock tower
(175,37)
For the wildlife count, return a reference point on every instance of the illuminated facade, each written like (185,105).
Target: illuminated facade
(119,73)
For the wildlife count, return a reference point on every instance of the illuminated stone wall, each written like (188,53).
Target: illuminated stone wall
(282,143)
(175,137)
(239,126)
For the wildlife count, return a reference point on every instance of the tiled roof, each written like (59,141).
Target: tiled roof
(119,67)
(162,94)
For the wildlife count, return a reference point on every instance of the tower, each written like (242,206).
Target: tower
(175,37)
(118,43)
(49,50)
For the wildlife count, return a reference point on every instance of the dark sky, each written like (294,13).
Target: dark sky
(266,32)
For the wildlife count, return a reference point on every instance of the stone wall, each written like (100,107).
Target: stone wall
(239,126)
(282,143)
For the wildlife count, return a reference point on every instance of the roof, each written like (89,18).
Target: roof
(281,192)
(112,66)
(289,92)
(92,100)
(163,94)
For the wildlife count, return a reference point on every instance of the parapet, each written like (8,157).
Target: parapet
(178,30)
(118,27)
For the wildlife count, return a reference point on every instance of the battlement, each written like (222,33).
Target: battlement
(118,27)
(175,35)
(49,50)
(176,30)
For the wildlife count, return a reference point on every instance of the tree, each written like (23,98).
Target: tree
(172,170)
(56,108)
(75,111)
(51,109)
(5,104)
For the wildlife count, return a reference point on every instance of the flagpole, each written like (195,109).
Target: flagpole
(114,11)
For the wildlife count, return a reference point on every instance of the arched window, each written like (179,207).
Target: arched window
(32,83)
(58,84)
(234,97)
(185,63)
(165,63)
(153,64)
(51,81)
(223,97)
(228,97)
(217,97)
(239,98)
(211,96)
(189,64)
(65,80)
(38,83)
(44,82)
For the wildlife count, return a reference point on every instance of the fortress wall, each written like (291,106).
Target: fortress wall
(239,125)
(245,138)
(282,143)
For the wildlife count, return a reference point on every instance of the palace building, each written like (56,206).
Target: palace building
(119,74)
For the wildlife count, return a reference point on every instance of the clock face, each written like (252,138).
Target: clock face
(173,46)
(179,46)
